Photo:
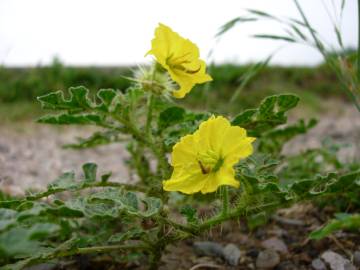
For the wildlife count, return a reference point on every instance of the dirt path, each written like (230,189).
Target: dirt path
(31,155)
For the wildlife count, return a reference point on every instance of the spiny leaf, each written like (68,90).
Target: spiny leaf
(271,113)
(90,172)
(110,100)
(97,139)
(79,100)
(133,233)
(274,140)
(67,180)
(42,230)
(190,213)
(127,201)
(171,116)
(79,108)
(68,119)
(93,210)
(188,125)
(7,218)
(63,182)
(22,242)
(56,101)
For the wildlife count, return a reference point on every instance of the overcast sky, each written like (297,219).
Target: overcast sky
(118,32)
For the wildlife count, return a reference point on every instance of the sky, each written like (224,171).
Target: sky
(119,32)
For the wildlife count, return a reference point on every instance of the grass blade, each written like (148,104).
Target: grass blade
(266,36)
(249,75)
(230,24)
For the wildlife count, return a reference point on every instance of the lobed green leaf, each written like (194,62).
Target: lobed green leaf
(271,113)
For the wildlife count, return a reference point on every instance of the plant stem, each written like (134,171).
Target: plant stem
(225,200)
(158,247)
(327,58)
(100,249)
(150,102)
(311,30)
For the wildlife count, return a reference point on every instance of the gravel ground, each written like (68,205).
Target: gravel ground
(31,155)
(340,123)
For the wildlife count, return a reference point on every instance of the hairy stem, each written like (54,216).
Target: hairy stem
(150,102)
(99,249)
(225,200)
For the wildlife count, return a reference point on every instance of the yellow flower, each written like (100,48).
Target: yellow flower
(204,160)
(180,57)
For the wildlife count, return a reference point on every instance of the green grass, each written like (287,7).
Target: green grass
(19,111)
(19,87)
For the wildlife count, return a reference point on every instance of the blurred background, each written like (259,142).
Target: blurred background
(113,33)
(52,45)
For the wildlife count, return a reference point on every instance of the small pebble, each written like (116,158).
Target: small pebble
(287,265)
(357,258)
(207,248)
(253,253)
(43,266)
(336,261)
(267,259)
(275,244)
(318,264)
(4,148)
(231,254)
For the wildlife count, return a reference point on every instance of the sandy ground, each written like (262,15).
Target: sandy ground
(31,155)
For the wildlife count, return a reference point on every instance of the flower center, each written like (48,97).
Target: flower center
(178,63)
(209,162)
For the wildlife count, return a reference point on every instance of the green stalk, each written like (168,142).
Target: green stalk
(322,50)
(99,249)
(225,200)
(150,104)
(311,30)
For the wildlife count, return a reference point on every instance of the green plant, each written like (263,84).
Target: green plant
(92,214)
(129,218)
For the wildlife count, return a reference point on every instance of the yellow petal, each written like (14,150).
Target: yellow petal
(212,133)
(187,183)
(225,176)
(180,57)
(184,82)
(237,145)
(239,150)
(187,81)
(164,44)
(184,151)
(204,160)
